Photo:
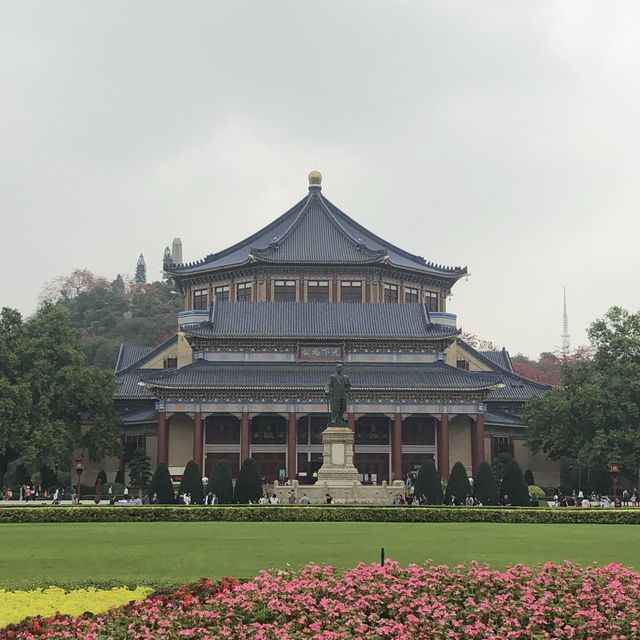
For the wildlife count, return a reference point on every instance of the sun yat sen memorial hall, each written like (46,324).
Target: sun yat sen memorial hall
(264,323)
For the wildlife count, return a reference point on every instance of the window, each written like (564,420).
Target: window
(318,290)
(501,444)
(431,300)
(410,295)
(222,293)
(243,292)
(285,290)
(268,430)
(133,442)
(170,363)
(351,291)
(372,430)
(200,299)
(390,292)
(462,364)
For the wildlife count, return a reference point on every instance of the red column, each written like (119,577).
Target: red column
(244,436)
(268,291)
(163,438)
(292,446)
(197,439)
(351,421)
(396,447)
(477,442)
(443,446)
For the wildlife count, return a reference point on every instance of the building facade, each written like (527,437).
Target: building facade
(266,321)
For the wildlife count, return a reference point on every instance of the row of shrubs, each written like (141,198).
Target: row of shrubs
(319,513)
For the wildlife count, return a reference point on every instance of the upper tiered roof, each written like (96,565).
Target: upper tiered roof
(315,231)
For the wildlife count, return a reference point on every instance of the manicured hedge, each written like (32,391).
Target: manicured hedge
(334,513)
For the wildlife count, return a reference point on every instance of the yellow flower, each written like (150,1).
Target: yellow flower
(17,605)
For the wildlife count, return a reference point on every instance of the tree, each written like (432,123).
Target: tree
(484,485)
(499,464)
(428,483)
(102,476)
(141,271)
(51,401)
(119,477)
(528,477)
(458,486)
(220,482)
(161,485)
(249,484)
(478,343)
(514,486)
(192,482)
(595,416)
(139,470)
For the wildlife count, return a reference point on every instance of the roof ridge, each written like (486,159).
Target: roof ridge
(117,365)
(154,351)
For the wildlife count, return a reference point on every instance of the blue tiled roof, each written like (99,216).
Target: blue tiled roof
(499,358)
(503,420)
(138,416)
(130,355)
(324,320)
(314,376)
(128,387)
(315,231)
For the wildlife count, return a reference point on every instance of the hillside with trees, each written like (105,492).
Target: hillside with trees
(108,313)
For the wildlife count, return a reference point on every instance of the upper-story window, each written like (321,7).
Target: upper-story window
(285,290)
(390,292)
(318,290)
(170,363)
(351,291)
(462,364)
(410,295)
(222,293)
(431,300)
(243,291)
(200,299)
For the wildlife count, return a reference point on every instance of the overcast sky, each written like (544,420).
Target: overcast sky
(500,135)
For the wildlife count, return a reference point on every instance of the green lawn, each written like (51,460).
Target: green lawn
(165,551)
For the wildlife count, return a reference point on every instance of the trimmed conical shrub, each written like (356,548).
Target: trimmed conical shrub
(161,485)
(249,484)
(102,476)
(458,485)
(192,482)
(220,482)
(528,477)
(428,483)
(119,477)
(484,485)
(514,486)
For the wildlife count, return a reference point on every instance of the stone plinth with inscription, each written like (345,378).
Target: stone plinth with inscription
(337,457)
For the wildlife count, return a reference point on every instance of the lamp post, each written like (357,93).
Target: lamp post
(614,469)
(79,470)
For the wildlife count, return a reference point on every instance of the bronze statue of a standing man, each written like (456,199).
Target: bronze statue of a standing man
(339,385)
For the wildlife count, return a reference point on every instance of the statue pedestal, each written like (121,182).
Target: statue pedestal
(337,457)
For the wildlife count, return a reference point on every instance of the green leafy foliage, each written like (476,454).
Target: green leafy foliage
(220,482)
(192,482)
(458,486)
(514,485)
(139,470)
(161,485)
(594,417)
(428,483)
(51,400)
(528,477)
(319,513)
(484,485)
(248,484)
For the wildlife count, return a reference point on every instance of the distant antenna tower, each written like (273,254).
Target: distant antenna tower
(566,338)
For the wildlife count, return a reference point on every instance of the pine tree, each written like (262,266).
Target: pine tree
(514,486)
(141,271)
(192,482)
(220,482)
(139,470)
(528,477)
(161,485)
(249,484)
(458,485)
(484,486)
(428,483)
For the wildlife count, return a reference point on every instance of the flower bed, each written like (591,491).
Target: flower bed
(16,605)
(465,602)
